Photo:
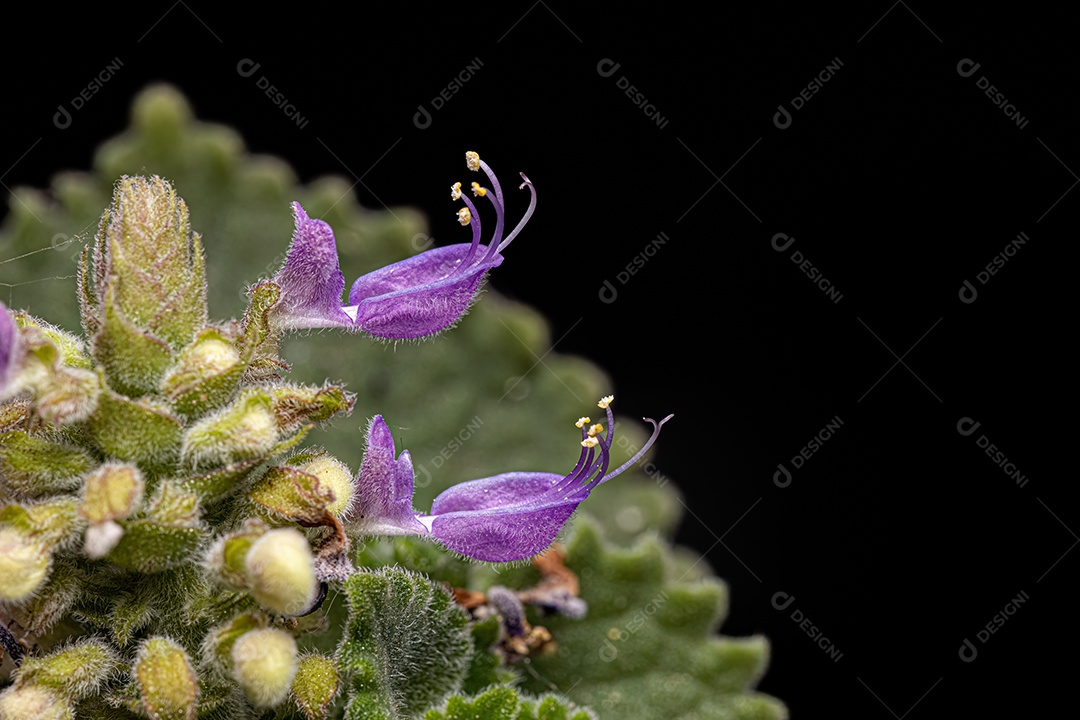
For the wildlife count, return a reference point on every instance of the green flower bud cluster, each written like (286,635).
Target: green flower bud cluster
(151,502)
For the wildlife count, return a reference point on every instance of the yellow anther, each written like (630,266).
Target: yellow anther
(478,191)
(583,421)
(590,442)
(455,191)
(596,430)
(472,160)
(605,401)
(464,216)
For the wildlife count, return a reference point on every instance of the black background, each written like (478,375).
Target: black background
(899,180)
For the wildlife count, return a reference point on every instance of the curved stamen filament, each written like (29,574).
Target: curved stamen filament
(528,213)
(494,247)
(637,456)
(467,260)
(494,181)
(602,462)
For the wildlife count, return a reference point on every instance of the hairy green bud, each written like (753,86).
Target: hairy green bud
(24,564)
(33,701)
(205,376)
(281,571)
(111,493)
(316,685)
(245,429)
(166,681)
(264,663)
(73,672)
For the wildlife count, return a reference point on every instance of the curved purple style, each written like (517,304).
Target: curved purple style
(503,518)
(413,298)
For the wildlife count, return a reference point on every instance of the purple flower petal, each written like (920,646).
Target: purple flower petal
(508,517)
(10,344)
(516,515)
(310,280)
(420,296)
(382,504)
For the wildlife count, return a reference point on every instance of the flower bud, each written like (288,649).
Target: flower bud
(281,571)
(167,684)
(205,376)
(33,701)
(112,492)
(335,476)
(264,664)
(24,565)
(316,684)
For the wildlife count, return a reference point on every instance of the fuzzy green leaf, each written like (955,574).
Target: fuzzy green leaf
(505,703)
(406,645)
(647,648)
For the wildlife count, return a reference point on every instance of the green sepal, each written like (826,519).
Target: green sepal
(50,522)
(234,549)
(245,429)
(136,431)
(206,375)
(166,680)
(184,313)
(406,645)
(218,484)
(132,612)
(72,672)
(167,535)
(294,495)
(112,492)
(52,345)
(257,326)
(133,359)
(315,686)
(218,643)
(298,405)
(34,466)
(56,371)
(70,395)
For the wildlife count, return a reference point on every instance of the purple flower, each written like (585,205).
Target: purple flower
(503,518)
(414,298)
